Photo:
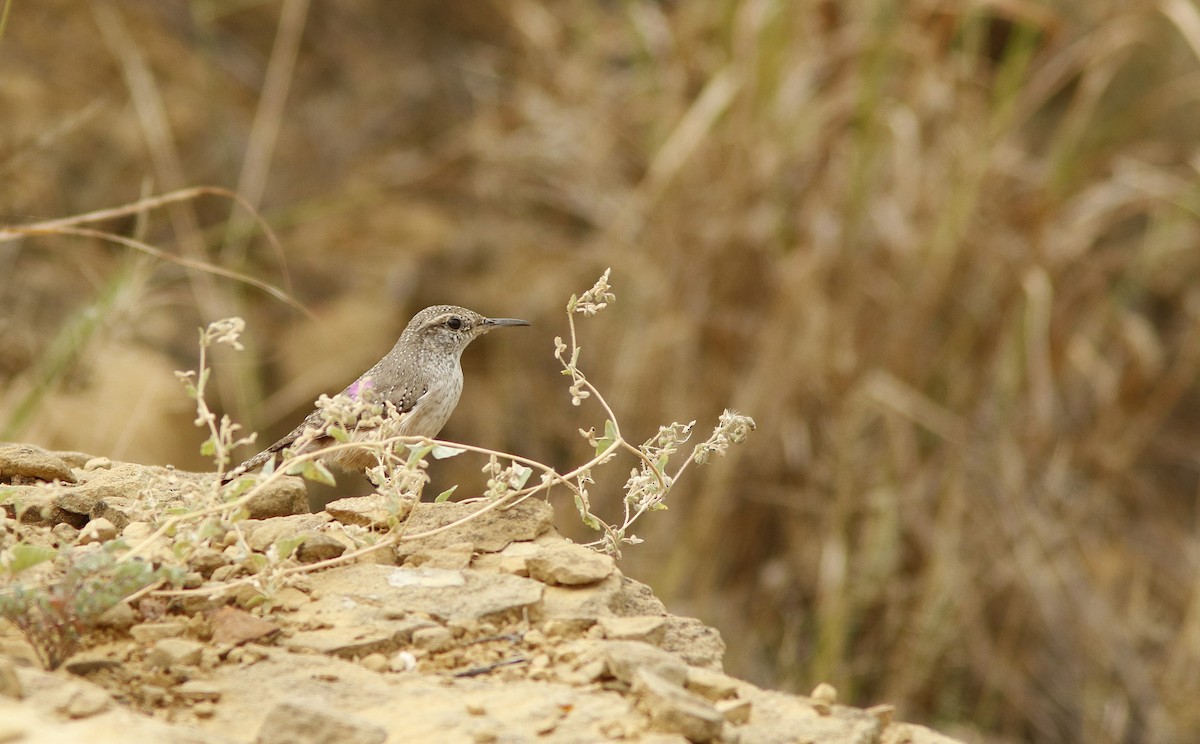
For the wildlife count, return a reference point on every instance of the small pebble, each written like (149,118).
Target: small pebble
(433,639)
(535,638)
(403,662)
(825,693)
(374,662)
(97,530)
(136,531)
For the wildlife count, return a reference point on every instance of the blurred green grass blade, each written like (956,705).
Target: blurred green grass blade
(69,346)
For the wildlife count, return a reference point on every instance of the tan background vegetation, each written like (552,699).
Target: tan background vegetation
(946,254)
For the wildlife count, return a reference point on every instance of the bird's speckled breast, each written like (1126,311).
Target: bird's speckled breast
(433,409)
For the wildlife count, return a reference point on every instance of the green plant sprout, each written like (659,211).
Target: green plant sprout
(55,616)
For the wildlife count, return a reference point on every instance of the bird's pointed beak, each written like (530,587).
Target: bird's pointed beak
(490,323)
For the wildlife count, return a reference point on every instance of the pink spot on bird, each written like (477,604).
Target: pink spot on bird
(358,386)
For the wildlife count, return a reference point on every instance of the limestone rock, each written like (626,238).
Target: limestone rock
(197,690)
(736,712)
(646,628)
(623,659)
(85,664)
(10,684)
(38,505)
(372,511)
(136,531)
(125,480)
(458,644)
(284,497)
(439,593)
(205,561)
(76,459)
(567,564)
(709,684)
(350,640)
(635,598)
(490,532)
(119,510)
(675,710)
(582,604)
(235,627)
(171,652)
(456,556)
(32,462)
(434,639)
(97,463)
(295,723)
(147,632)
(289,598)
(81,700)
(318,546)
(375,662)
(514,559)
(365,608)
(97,530)
(695,642)
(64,533)
(775,713)
(262,533)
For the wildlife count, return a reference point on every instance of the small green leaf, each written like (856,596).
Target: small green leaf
(239,487)
(319,473)
(523,476)
(26,556)
(338,433)
(285,546)
(209,448)
(417,452)
(442,452)
(323,474)
(256,562)
(174,575)
(446,494)
(610,436)
(312,470)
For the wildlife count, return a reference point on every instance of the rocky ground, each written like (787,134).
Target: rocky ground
(493,630)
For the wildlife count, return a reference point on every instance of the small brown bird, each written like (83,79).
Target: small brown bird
(421,376)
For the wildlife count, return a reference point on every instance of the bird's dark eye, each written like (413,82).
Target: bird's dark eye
(454,323)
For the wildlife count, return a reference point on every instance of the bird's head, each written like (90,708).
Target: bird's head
(451,327)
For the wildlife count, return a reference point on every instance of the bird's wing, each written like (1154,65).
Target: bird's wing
(405,397)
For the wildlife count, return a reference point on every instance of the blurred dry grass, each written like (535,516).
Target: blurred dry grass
(946,255)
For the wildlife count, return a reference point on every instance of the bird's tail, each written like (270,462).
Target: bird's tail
(254,462)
